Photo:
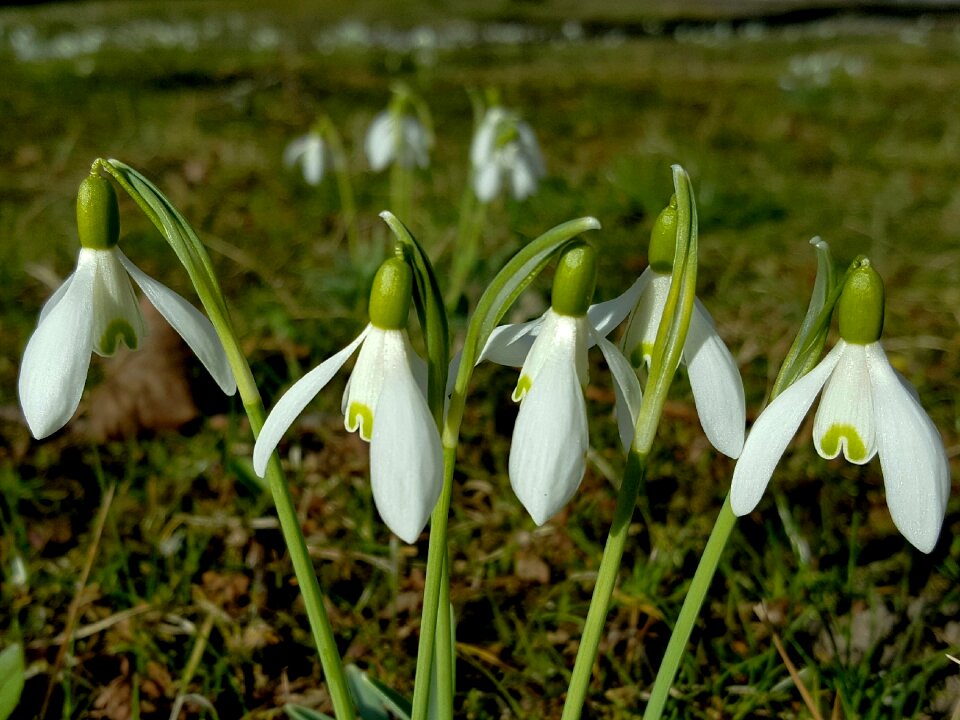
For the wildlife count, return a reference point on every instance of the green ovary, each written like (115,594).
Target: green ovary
(523,387)
(360,416)
(115,331)
(830,442)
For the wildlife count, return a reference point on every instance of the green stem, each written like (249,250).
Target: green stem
(467,248)
(345,189)
(603,590)
(432,593)
(443,654)
(400,191)
(198,266)
(690,611)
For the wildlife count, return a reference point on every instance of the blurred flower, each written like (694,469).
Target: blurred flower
(384,401)
(504,149)
(310,152)
(867,409)
(396,137)
(548,450)
(94,310)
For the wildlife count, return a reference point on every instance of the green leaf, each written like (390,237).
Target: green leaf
(177,232)
(374,699)
(672,333)
(431,312)
(12,668)
(297,712)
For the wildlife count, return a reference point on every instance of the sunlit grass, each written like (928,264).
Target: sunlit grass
(868,159)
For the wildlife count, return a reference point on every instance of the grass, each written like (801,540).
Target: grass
(191,557)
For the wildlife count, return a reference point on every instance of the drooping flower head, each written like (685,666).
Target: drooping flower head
(400,134)
(95,310)
(714,376)
(550,440)
(384,402)
(505,151)
(867,409)
(310,152)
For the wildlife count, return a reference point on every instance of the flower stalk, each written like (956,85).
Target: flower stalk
(196,262)
(666,357)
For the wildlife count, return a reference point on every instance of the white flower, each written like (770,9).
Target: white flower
(93,311)
(385,403)
(504,149)
(547,453)
(397,138)
(867,409)
(310,152)
(714,377)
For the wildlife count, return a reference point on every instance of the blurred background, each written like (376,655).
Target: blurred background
(793,119)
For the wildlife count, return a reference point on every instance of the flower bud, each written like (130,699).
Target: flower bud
(861,305)
(98,216)
(663,239)
(390,295)
(575,280)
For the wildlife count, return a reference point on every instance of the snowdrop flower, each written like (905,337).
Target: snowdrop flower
(384,402)
(714,377)
(505,150)
(310,152)
(94,311)
(397,137)
(547,454)
(867,409)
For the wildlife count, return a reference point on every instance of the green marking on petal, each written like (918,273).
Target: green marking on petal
(523,387)
(360,416)
(641,354)
(118,329)
(855,451)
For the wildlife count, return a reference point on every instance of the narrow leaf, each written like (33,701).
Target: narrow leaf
(298,712)
(12,669)
(431,312)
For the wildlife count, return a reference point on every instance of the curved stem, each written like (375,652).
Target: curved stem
(347,202)
(603,590)
(690,611)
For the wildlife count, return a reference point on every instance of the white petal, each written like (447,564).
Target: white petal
(57,356)
(626,387)
(406,463)
(379,143)
(116,312)
(559,335)
(192,325)
(295,149)
(531,149)
(366,381)
(916,473)
(54,299)
(845,418)
(314,160)
(416,144)
(547,454)
(523,181)
(771,434)
(486,181)
(295,400)
(641,333)
(716,383)
(481,147)
(605,316)
(510,344)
